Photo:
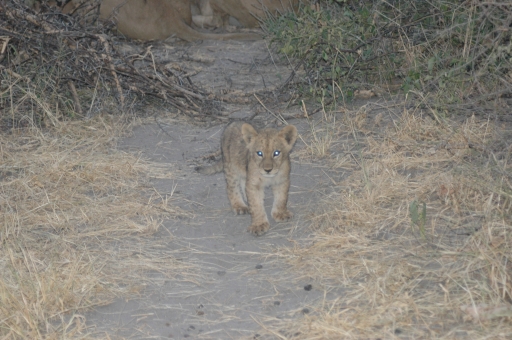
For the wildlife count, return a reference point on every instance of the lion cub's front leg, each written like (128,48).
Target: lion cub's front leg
(280,212)
(259,221)
(236,190)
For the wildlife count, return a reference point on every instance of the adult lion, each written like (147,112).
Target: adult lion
(158,19)
(250,12)
(215,13)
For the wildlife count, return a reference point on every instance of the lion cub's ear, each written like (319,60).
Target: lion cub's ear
(289,134)
(248,133)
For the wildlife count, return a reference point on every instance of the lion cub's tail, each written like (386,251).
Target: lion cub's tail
(212,169)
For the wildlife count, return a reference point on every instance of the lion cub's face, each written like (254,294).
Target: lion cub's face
(269,149)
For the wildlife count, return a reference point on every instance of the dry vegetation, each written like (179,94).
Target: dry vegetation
(419,233)
(56,66)
(78,219)
(77,226)
(442,272)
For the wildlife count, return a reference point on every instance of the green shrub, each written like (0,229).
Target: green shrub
(457,49)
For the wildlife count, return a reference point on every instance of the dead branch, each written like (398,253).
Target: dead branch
(72,88)
(111,67)
(34,44)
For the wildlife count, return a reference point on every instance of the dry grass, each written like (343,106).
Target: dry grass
(446,274)
(77,226)
(321,136)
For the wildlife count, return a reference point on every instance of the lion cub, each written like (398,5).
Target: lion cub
(253,160)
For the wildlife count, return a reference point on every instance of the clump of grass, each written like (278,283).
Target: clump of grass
(35,94)
(457,51)
(322,133)
(447,274)
(67,200)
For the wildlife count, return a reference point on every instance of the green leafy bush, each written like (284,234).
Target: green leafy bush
(459,50)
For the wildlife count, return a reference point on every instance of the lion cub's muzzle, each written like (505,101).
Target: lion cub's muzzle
(268,173)
(268,169)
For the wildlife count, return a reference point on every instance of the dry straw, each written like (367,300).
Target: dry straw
(443,272)
(76,227)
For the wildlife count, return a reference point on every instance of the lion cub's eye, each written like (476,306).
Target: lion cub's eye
(276,153)
(259,153)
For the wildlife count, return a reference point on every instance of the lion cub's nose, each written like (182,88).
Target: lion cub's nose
(268,170)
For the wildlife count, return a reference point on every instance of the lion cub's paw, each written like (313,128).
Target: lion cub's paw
(282,216)
(259,229)
(240,209)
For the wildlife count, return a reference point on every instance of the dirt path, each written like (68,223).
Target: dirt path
(239,283)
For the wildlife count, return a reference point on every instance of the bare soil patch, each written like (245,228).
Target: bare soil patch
(240,283)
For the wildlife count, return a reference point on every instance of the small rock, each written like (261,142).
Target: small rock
(307,288)
(258,266)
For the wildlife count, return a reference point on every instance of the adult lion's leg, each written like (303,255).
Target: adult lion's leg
(207,16)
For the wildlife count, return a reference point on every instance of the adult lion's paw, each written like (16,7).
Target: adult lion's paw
(259,229)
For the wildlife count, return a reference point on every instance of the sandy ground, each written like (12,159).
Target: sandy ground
(239,282)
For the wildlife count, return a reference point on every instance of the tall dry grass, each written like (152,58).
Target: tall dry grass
(77,219)
(445,274)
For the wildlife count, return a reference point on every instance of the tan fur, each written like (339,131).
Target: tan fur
(159,20)
(67,8)
(205,16)
(250,12)
(248,173)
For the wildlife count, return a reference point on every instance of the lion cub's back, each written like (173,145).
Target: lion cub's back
(234,148)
